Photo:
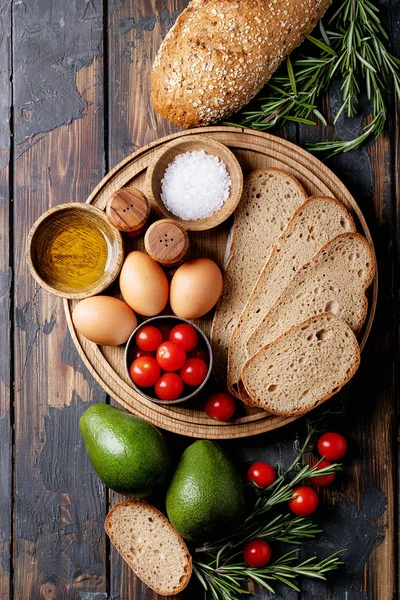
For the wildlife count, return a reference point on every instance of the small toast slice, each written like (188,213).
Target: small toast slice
(150,545)
(270,197)
(335,280)
(303,367)
(313,224)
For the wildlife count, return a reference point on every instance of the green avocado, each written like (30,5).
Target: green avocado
(128,454)
(205,496)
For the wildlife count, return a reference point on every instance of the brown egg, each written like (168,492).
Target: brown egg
(144,285)
(104,320)
(195,288)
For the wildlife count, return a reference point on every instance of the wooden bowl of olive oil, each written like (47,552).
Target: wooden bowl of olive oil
(74,252)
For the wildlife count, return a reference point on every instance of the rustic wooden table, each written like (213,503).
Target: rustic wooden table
(74,101)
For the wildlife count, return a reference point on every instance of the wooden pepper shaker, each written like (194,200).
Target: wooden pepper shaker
(167,242)
(128,210)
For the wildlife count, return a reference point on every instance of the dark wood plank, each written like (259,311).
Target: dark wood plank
(5,305)
(361,513)
(60,546)
(395,40)
(135,31)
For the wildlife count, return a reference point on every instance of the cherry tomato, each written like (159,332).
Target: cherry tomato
(144,371)
(169,386)
(304,501)
(184,335)
(165,331)
(137,353)
(220,406)
(199,353)
(194,372)
(148,338)
(332,446)
(170,356)
(324,480)
(262,473)
(257,553)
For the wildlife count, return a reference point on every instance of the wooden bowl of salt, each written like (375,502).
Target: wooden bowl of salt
(196,181)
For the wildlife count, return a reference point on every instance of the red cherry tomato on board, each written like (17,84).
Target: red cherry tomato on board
(220,406)
(169,386)
(148,338)
(304,501)
(199,353)
(323,480)
(194,372)
(257,553)
(332,446)
(137,353)
(170,356)
(144,371)
(262,473)
(184,335)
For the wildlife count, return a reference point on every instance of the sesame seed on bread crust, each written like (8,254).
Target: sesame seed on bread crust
(220,53)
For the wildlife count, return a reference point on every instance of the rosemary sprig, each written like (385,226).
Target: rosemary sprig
(350,44)
(365,65)
(281,528)
(293,96)
(222,571)
(227,581)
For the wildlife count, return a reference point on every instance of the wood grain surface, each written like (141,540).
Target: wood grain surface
(128,210)
(167,242)
(74,102)
(59,546)
(6,304)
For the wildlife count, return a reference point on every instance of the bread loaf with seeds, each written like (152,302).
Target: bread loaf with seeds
(220,53)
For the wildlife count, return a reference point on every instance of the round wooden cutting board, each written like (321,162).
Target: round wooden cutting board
(254,150)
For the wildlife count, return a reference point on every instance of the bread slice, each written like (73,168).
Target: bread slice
(150,545)
(315,223)
(303,367)
(335,280)
(270,196)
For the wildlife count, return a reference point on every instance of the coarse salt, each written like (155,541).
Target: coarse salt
(195,185)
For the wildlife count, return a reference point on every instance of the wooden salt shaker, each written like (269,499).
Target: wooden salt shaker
(128,210)
(167,242)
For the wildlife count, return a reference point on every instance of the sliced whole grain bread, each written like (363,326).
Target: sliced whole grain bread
(335,280)
(313,224)
(150,545)
(270,196)
(303,367)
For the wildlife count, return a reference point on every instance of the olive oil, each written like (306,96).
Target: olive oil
(77,253)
